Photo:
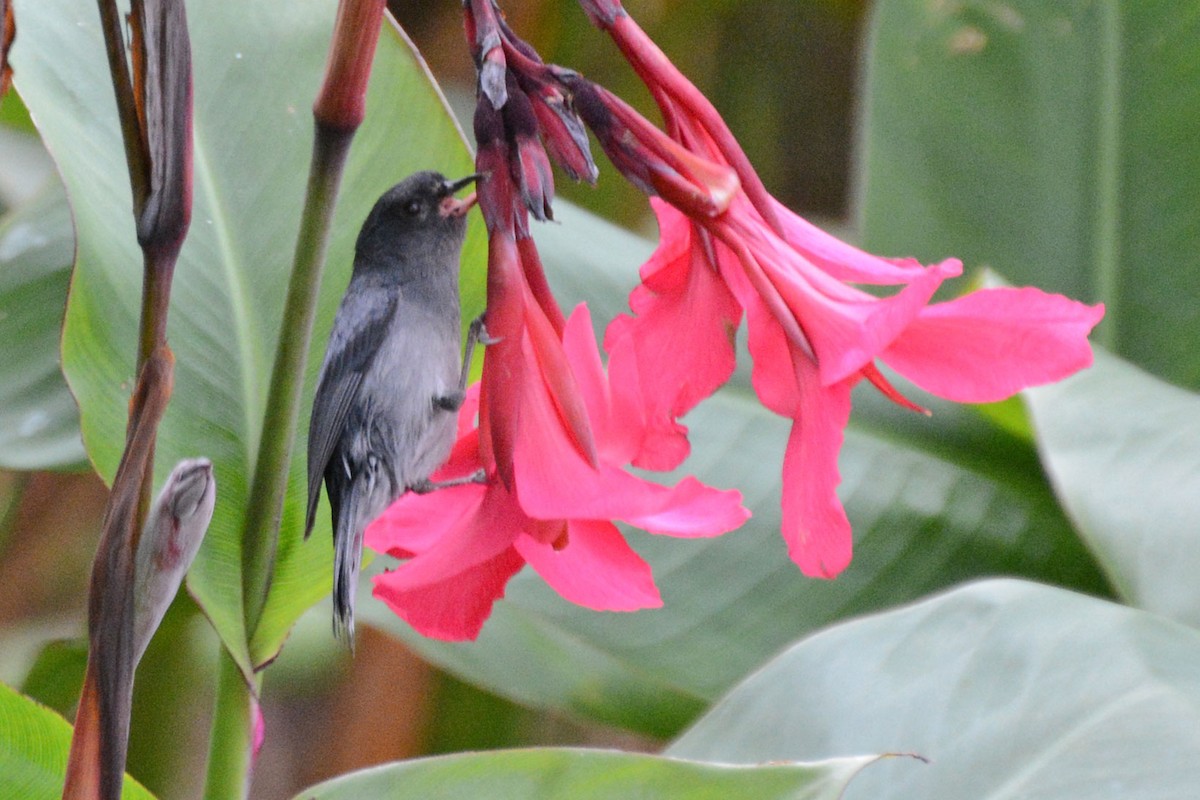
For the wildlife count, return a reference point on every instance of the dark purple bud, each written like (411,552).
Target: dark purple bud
(530,166)
(649,158)
(483,32)
(563,133)
(495,190)
(163,78)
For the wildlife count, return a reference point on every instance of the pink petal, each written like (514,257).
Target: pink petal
(465,558)
(455,608)
(678,348)
(841,260)
(846,326)
(691,509)
(815,526)
(616,438)
(597,569)
(773,376)
(554,482)
(992,343)
(448,531)
(543,350)
(416,522)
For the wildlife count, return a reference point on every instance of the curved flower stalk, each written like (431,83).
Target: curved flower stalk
(812,334)
(554,435)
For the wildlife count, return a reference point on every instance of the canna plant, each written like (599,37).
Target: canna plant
(563,431)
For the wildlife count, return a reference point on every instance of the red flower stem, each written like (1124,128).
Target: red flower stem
(762,284)
(660,144)
(655,69)
(520,63)
(535,277)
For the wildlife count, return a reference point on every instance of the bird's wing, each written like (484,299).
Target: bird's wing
(361,325)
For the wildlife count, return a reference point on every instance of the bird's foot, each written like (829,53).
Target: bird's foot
(477,331)
(426,486)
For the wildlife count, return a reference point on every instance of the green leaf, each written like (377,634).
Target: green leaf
(1049,141)
(545,774)
(1123,451)
(34,742)
(256,72)
(39,422)
(55,677)
(1011,689)
(14,115)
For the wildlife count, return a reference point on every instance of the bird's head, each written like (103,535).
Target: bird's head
(419,217)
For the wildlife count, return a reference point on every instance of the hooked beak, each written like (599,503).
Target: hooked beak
(451,206)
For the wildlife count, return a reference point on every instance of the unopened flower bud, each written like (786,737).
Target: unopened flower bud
(649,158)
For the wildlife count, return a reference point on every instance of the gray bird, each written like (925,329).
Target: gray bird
(383,417)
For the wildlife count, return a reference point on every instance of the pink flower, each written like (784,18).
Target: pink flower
(555,513)
(553,437)
(812,334)
(555,431)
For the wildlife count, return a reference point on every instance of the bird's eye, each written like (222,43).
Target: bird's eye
(413,208)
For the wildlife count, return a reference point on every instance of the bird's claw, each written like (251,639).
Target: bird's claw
(426,486)
(478,331)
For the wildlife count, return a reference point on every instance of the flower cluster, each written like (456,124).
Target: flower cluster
(554,435)
(812,334)
(556,431)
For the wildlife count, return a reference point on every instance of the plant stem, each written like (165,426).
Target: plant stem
(137,156)
(269,484)
(231,746)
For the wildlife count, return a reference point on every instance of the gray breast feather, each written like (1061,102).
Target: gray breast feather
(417,363)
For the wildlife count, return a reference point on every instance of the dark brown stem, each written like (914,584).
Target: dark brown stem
(154,108)
(137,155)
(98,746)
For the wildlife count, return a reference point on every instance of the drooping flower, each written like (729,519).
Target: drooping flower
(812,335)
(552,436)
(554,512)
(555,430)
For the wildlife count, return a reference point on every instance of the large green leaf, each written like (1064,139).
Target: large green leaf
(257,67)
(34,742)
(565,774)
(39,423)
(1123,451)
(1053,142)
(1011,689)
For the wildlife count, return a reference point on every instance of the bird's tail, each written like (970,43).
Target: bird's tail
(347,558)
